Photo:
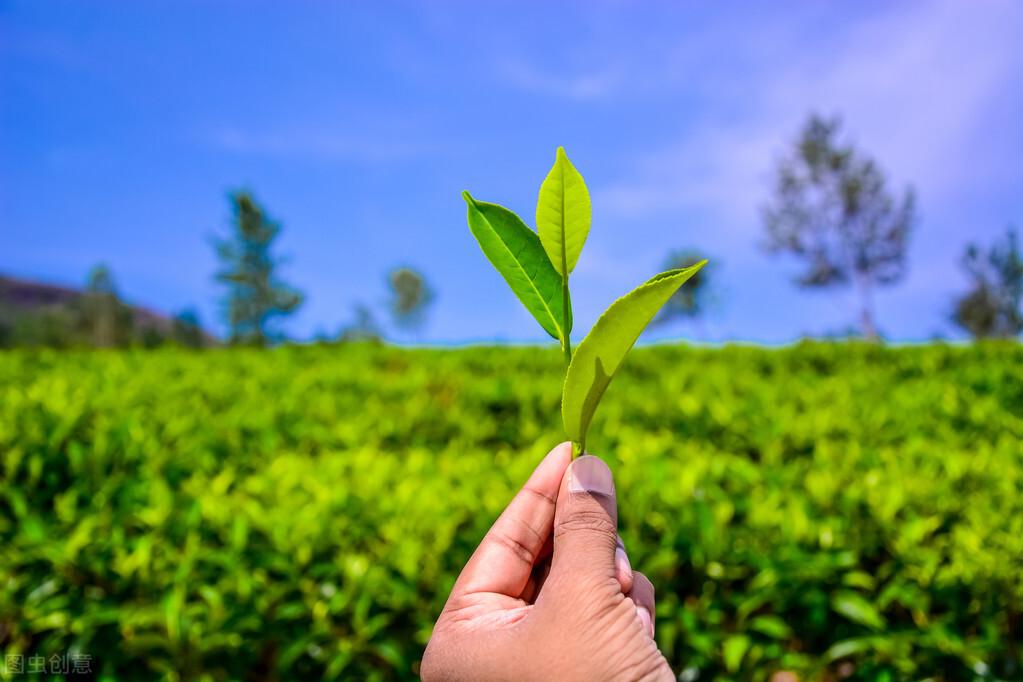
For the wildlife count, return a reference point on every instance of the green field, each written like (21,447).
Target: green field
(836,510)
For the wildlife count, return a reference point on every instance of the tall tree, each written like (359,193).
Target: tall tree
(410,297)
(255,296)
(363,327)
(833,209)
(992,306)
(689,302)
(104,320)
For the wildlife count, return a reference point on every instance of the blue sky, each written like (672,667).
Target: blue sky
(123,124)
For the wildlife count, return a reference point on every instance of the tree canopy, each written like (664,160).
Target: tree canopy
(255,294)
(832,208)
(992,306)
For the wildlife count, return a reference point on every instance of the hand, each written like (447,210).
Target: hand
(549,593)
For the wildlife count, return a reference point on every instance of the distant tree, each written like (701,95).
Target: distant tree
(186,329)
(364,326)
(410,297)
(104,319)
(151,336)
(992,306)
(255,296)
(832,208)
(50,327)
(689,302)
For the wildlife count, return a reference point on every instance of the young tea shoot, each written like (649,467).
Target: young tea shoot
(536,265)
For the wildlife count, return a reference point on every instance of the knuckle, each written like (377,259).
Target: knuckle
(538,496)
(649,666)
(586,521)
(514,545)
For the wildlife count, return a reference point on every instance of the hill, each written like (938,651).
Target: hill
(37,313)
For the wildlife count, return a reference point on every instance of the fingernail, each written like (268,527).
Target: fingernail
(622,561)
(589,474)
(644,617)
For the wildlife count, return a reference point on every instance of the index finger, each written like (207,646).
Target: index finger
(505,557)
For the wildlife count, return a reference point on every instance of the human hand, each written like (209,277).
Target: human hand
(549,594)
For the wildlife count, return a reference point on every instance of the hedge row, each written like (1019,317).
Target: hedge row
(834,510)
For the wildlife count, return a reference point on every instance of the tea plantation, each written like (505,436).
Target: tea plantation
(841,511)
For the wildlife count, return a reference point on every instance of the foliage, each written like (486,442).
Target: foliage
(536,266)
(690,301)
(363,327)
(106,321)
(563,214)
(833,209)
(604,349)
(517,254)
(255,296)
(186,329)
(49,327)
(410,297)
(302,513)
(993,307)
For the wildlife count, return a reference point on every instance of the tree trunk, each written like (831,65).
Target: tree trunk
(867,326)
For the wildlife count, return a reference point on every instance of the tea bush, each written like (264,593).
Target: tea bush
(836,510)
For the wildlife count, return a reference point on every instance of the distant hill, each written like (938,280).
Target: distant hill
(22,299)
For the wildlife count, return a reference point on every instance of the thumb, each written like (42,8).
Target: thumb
(586,521)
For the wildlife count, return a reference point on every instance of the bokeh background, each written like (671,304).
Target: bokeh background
(261,394)
(124,124)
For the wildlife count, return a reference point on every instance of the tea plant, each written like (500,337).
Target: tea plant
(817,509)
(536,265)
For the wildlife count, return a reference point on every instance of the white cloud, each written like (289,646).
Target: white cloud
(916,88)
(922,87)
(711,167)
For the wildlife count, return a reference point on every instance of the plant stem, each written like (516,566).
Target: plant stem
(567,341)
(577,448)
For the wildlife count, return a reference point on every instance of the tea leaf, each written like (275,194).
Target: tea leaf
(734,649)
(563,214)
(772,626)
(515,251)
(850,647)
(605,347)
(857,609)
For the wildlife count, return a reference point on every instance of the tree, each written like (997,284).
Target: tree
(186,329)
(49,327)
(104,320)
(832,208)
(255,295)
(992,306)
(689,302)
(410,297)
(363,328)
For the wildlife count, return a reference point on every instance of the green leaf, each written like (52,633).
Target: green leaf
(563,214)
(515,251)
(605,347)
(857,609)
(849,647)
(735,648)
(772,626)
